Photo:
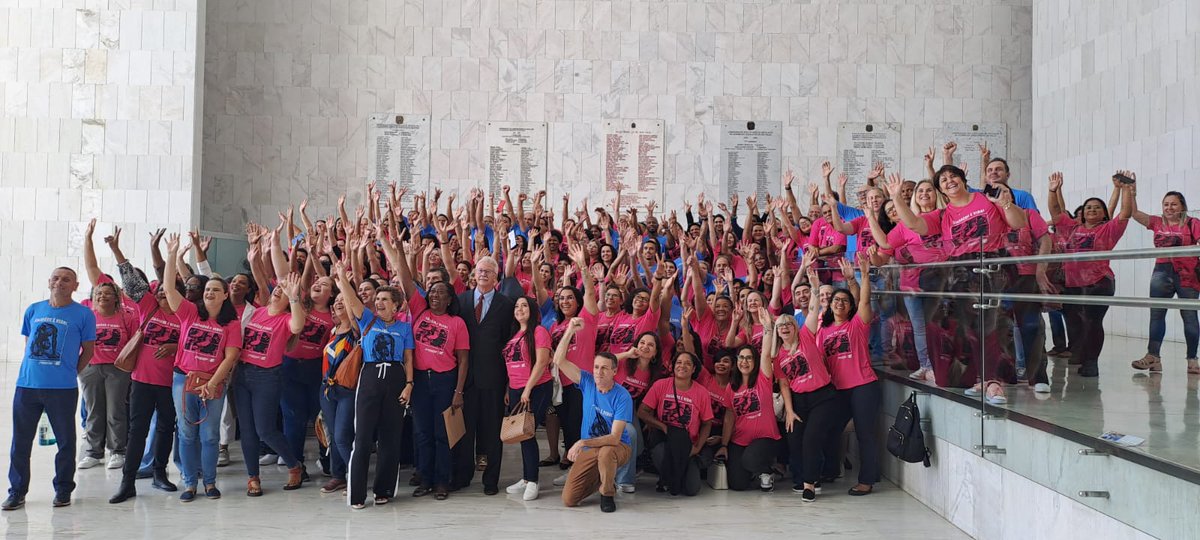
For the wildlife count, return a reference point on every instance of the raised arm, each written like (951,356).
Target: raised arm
(766,362)
(291,287)
(1054,199)
(1130,191)
(89,254)
(156,254)
(565,366)
(1139,216)
(915,223)
(132,283)
(578,256)
(353,305)
(174,299)
(864,290)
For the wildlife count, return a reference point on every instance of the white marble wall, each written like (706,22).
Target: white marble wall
(289,84)
(1115,86)
(97,119)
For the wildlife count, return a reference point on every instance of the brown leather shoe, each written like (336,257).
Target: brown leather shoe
(333,485)
(295,478)
(253,487)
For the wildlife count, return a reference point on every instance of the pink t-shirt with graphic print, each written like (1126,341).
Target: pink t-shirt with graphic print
(265,338)
(625,329)
(437,337)
(517,361)
(908,248)
(1026,241)
(1080,239)
(637,383)
(310,344)
(582,351)
(1186,234)
(685,409)
(846,348)
(160,330)
(203,343)
(803,368)
(720,395)
(978,226)
(112,333)
(754,413)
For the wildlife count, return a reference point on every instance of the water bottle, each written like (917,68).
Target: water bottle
(45,434)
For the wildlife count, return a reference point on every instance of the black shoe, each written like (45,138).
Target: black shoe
(422,491)
(212,492)
(797,488)
(304,474)
(607,504)
(62,499)
(1088,370)
(143,474)
(123,494)
(13,502)
(808,495)
(548,462)
(163,482)
(415,479)
(490,490)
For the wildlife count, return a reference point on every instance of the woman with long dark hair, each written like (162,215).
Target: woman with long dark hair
(755,435)
(337,402)
(527,359)
(679,415)
(1096,232)
(843,334)
(1171,277)
(638,367)
(571,303)
(211,343)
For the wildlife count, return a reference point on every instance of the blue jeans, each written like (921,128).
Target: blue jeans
(337,408)
(627,474)
(539,403)
(256,390)
(916,314)
(28,406)
(883,310)
(198,444)
(1164,283)
(148,455)
(300,399)
(432,393)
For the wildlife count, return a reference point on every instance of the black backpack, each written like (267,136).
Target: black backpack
(905,439)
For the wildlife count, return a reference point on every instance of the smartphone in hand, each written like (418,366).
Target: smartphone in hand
(1120,177)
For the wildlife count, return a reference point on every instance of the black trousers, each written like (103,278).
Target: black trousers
(1085,324)
(144,400)
(483,409)
(377,406)
(570,415)
(862,405)
(747,462)
(671,452)
(818,411)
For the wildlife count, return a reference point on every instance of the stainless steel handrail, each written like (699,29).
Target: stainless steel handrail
(1115,255)
(1122,301)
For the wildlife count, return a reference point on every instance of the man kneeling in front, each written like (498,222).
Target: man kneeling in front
(604,444)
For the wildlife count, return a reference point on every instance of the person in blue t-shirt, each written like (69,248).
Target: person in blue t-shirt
(60,337)
(384,388)
(604,442)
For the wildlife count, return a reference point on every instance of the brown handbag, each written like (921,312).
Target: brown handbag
(518,426)
(128,357)
(197,379)
(347,371)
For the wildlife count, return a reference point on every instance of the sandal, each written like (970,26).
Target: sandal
(1193,366)
(422,491)
(1150,362)
(995,393)
(381,500)
(440,493)
(253,487)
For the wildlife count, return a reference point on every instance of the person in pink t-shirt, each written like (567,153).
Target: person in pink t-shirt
(755,435)
(571,303)
(1096,232)
(678,415)
(527,360)
(105,388)
(638,367)
(843,334)
(259,380)
(1172,277)
(211,343)
(440,374)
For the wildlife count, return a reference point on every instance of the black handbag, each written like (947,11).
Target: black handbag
(905,438)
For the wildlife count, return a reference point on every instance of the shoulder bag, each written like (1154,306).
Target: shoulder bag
(347,371)
(128,357)
(518,426)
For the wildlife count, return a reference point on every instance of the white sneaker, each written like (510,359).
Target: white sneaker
(627,488)
(87,462)
(1041,388)
(223,457)
(268,459)
(918,374)
(279,461)
(562,479)
(766,482)
(531,491)
(973,391)
(116,461)
(517,487)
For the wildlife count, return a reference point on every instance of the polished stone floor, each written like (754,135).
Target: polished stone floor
(309,514)
(1163,408)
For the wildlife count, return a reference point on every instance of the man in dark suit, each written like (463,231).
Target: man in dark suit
(489,317)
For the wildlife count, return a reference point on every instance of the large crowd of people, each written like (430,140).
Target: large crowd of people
(667,343)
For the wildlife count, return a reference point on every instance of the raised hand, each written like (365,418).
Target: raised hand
(157,235)
(842,180)
(847,269)
(895,184)
(788,178)
(826,169)
(985,153)
(114,240)
(1056,181)
(949,148)
(929,157)
(91,228)
(173,244)
(876,172)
